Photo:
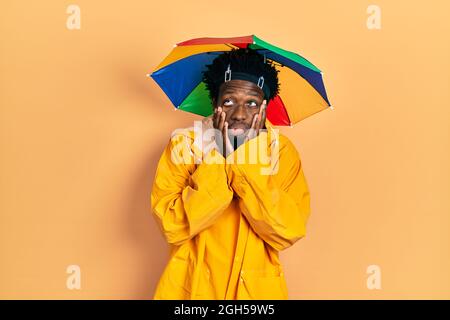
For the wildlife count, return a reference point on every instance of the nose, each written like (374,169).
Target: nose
(239,113)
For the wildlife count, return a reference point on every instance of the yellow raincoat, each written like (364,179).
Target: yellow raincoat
(225,221)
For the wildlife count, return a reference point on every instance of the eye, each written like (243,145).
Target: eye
(252,103)
(227,102)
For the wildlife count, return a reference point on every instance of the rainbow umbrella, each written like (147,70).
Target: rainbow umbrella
(302,92)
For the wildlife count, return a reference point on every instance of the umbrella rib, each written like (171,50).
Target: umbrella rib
(231,46)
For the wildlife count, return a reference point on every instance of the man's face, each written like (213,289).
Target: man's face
(240,99)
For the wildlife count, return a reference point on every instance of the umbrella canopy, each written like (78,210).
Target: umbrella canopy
(302,92)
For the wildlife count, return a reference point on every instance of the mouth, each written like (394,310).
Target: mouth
(237,129)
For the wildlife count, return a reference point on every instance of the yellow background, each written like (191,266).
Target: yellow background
(82,129)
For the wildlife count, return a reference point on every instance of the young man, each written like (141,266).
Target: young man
(226,220)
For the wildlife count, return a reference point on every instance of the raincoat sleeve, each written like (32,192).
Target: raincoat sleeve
(186,199)
(276,205)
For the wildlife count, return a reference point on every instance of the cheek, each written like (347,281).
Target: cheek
(228,116)
(253,113)
(228,111)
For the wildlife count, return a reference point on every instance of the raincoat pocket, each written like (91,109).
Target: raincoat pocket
(260,285)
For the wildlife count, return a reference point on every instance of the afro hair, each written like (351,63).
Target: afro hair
(241,60)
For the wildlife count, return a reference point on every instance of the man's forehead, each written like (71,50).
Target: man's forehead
(244,87)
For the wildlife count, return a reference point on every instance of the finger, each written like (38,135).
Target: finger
(263,118)
(261,109)
(224,130)
(226,140)
(219,112)
(259,112)
(216,117)
(255,119)
(222,120)
(228,145)
(258,118)
(262,106)
(262,115)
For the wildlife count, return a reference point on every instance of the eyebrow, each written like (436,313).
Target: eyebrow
(251,92)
